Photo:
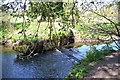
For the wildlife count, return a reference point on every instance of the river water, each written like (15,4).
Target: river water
(51,64)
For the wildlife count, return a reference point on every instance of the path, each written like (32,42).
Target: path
(107,68)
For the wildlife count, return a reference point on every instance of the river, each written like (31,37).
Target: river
(51,64)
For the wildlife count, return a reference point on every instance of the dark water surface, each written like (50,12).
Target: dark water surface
(52,64)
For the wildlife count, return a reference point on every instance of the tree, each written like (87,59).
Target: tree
(114,30)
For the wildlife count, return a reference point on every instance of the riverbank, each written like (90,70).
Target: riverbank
(86,66)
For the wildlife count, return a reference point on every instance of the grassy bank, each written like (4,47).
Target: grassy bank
(85,65)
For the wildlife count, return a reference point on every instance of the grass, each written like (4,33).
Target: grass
(85,65)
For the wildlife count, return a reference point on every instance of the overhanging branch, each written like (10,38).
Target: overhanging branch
(118,32)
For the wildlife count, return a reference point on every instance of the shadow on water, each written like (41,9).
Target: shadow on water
(52,64)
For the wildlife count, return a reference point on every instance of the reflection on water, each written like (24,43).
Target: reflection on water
(52,64)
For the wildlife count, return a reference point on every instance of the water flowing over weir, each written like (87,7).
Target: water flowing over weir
(52,64)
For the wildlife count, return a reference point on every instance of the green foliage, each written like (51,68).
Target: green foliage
(46,9)
(93,55)
(18,25)
(21,48)
(3,31)
(15,38)
(68,16)
(65,15)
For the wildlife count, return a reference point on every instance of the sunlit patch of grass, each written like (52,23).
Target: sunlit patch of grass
(16,20)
